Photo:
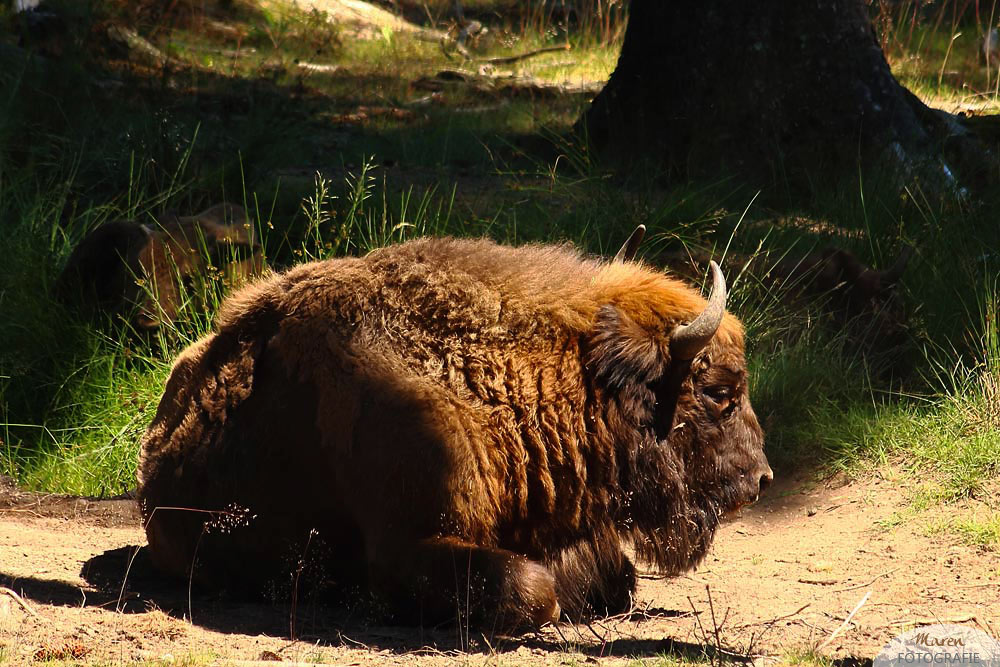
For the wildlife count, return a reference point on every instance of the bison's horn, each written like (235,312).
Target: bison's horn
(627,252)
(687,340)
(891,275)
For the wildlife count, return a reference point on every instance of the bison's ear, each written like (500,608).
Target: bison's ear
(622,352)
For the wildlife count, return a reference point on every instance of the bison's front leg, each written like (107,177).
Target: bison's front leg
(435,580)
(594,579)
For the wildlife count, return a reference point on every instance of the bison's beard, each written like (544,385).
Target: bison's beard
(679,545)
(674,519)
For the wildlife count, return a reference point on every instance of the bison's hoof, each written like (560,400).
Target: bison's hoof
(556,613)
(534,595)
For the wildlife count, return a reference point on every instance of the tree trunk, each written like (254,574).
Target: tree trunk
(770,87)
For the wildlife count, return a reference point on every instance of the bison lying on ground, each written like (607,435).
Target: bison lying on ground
(139,270)
(458,426)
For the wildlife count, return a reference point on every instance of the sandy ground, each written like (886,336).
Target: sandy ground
(782,579)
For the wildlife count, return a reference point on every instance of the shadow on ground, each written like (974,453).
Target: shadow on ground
(123,581)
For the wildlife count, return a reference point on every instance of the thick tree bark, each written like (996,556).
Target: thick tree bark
(772,84)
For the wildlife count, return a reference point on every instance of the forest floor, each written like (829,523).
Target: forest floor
(782,578)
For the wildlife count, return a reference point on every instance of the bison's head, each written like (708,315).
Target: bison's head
(865,301)
(689,445)
(144,272)
(187,249)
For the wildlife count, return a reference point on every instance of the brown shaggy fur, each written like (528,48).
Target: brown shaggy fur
(466,427)
(137,270)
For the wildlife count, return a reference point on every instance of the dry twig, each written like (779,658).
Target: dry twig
(846,621)
(775,619)
(851,588)
(963,618)
(22,603)
(819,582)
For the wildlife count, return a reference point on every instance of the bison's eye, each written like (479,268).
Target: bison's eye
(719,399)
(720,393)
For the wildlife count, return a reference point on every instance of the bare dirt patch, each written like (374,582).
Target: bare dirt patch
(782,578)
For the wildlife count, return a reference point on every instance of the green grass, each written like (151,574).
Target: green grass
(805,659)
(978,531)
(665,661)
(964,83)
(98,139)
(939,56)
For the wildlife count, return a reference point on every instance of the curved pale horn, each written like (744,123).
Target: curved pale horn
(627,252)
(687,340)
(891,275)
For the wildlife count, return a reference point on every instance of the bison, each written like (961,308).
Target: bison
(861,302)
(141,271)
(457,426)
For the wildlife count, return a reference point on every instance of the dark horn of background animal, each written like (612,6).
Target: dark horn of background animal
(627,252)
(895,272)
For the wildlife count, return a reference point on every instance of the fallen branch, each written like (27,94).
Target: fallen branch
(502,85)
(23,604)
(507,60)
(136,44)
(366,15)
(319,68)
(846,621)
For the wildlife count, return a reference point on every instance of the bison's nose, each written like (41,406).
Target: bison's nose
(765,480)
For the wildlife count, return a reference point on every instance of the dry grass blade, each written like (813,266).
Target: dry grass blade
(846,621)
(775,619)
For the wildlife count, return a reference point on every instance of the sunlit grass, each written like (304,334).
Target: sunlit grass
(948,71)
(284,41)
(805,658)
(974,528)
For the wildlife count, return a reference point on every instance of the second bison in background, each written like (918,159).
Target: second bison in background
(144,272)
(459,427)
(862,303)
